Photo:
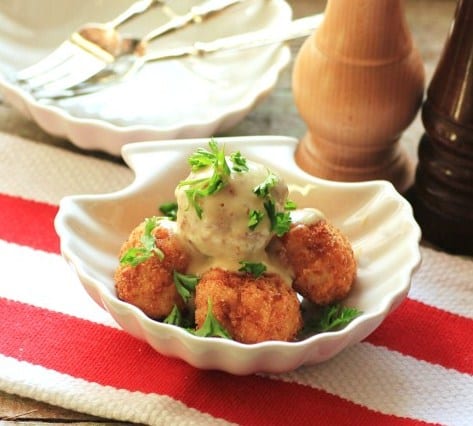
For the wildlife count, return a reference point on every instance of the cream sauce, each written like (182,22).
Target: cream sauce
(221,237)
(223,227)
(307,216)
(201,264)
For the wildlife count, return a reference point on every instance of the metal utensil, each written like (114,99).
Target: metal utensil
(86,48)
(86,58)
(127,67)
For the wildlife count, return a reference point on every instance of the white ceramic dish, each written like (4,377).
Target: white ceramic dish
(192,97)
(377,220)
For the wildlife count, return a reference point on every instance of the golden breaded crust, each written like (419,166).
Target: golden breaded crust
(251,309)
(322,260)
(150,285)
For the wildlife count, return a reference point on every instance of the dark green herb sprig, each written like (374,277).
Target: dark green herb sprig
(262,190)
(169,210)
(254,218)
(280,222)
(136,255)
(211,326)
(203,187)
(290,205)
(337,316)
(176,317)
(330,318)
(185,284)
(239,162)
(254,268)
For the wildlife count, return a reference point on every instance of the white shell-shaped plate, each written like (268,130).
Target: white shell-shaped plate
(182,98)
(376,219)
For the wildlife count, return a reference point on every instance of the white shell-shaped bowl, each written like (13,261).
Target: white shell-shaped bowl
(376,219)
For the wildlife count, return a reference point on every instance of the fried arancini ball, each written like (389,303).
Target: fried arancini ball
(322,260)
(251,309)
(149,285)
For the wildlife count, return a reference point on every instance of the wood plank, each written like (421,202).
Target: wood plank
(15,409)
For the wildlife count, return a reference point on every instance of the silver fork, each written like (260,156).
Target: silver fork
(129,65)
(89,59)
(85,48)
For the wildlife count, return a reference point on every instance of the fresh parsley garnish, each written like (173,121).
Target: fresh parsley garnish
(136,255)
(262,190)
(254,218)
(203,158)
(169,210)
(211,326)
(330,318)
(280,221)
(290,205)
(239,162)
(185,284)
(203,187)
(336,316)
(254,268)
(174,317)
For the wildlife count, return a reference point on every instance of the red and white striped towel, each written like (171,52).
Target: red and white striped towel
(57,346)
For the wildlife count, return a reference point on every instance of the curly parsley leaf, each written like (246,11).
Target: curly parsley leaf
(336,316)
(239,162)
(203,187)
(215,158)
(254,218)
(262,190)
(185,284)
(174,317)
(136,255)
(280,221)
(169,210)
(254,268)
(290,205)
(203,158)
(211,326)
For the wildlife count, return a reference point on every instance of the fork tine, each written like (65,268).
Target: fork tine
(63,53)
(75,62)
(76,70)
(55,58)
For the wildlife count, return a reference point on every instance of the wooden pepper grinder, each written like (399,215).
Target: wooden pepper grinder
(443,190)
(358,82)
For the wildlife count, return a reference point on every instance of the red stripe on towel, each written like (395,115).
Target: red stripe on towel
(28,223)
(108,356)
(428,333)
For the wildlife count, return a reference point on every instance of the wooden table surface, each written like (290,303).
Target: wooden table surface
(429,21)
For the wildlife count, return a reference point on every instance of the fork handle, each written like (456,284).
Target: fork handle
(195,13)
(136,8)
(295,29)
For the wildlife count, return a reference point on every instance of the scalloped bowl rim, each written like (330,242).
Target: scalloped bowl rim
(299,351)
